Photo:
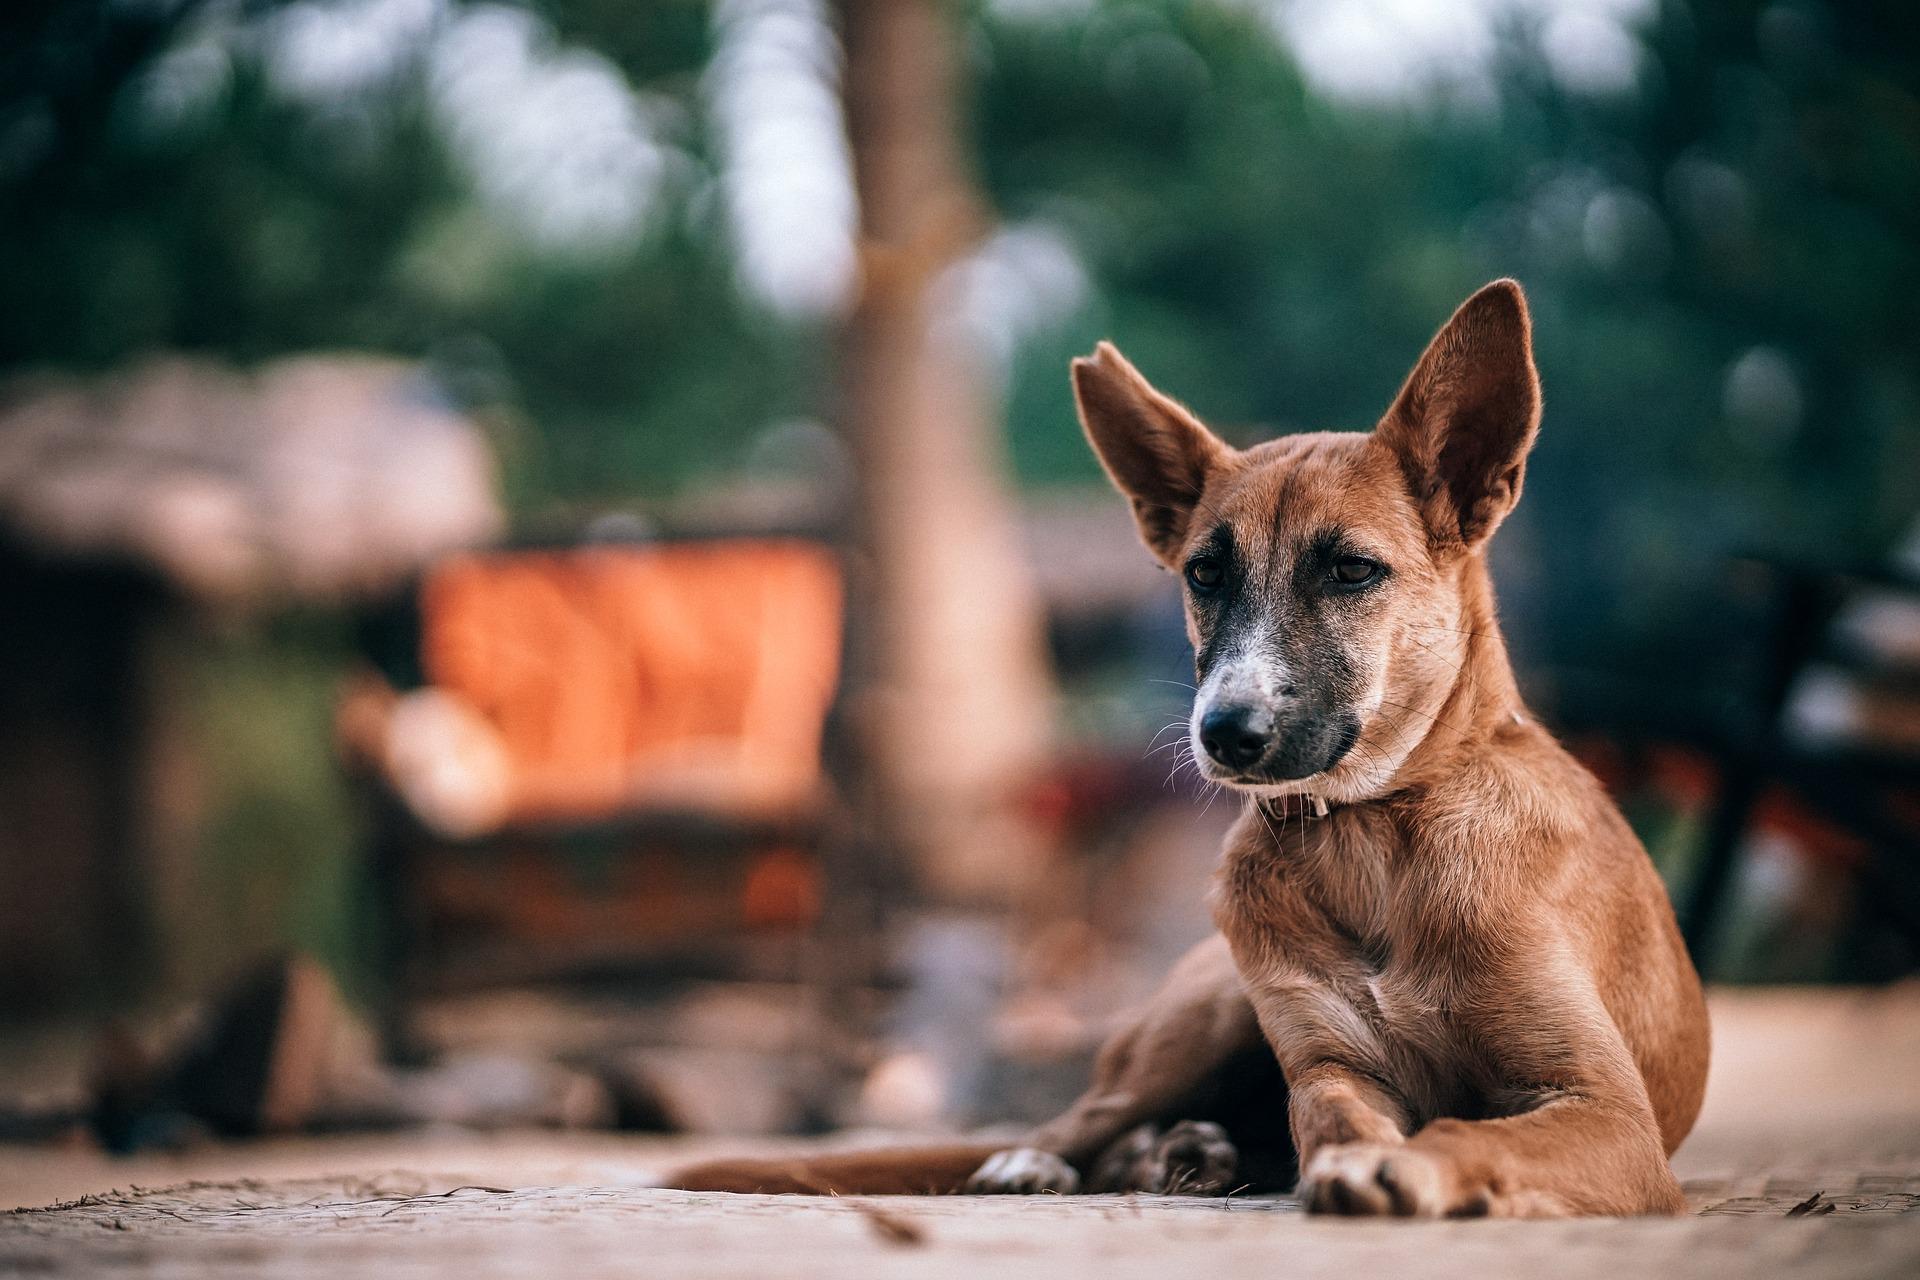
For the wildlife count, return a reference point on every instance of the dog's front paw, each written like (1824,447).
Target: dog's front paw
(1364,1178)
(1023,1171)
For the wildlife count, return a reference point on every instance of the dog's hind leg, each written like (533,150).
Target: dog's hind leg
(1194,1052)
(1161,1065)
(1190,1158)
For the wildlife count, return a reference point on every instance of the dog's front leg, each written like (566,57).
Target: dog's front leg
(1579,1136)
(1331,1104)
(1335,1103)
(1570,1156)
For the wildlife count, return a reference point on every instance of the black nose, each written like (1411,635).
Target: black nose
(1236,736)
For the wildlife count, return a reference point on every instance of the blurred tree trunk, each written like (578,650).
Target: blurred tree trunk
(957,702)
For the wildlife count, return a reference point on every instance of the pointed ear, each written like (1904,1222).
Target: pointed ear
(1463,424)
(1155,452)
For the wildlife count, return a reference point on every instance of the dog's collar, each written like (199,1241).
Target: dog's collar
(1299,804)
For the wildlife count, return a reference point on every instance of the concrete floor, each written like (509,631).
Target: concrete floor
(1812,1092)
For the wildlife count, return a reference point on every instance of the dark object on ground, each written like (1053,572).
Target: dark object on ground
(251,1068)
(280,1052)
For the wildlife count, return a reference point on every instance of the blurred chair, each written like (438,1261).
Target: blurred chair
(601,758)
(1835,721)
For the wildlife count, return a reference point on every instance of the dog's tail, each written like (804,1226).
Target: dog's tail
(902,1171)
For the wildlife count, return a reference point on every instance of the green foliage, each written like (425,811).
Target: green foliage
(259,226)
(1275,256)
(1279,260)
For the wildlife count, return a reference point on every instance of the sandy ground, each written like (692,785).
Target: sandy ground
(1813,1094)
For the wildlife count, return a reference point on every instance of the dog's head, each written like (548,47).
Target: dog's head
(1327,576)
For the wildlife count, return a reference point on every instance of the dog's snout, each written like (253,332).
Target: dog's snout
(1236,735)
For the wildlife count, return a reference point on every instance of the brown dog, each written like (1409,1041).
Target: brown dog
(1443,956)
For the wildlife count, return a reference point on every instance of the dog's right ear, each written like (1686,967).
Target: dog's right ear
(1156,453)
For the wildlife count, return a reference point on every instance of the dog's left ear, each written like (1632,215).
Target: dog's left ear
(1462,425)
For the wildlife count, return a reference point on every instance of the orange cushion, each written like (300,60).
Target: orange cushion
(697,674)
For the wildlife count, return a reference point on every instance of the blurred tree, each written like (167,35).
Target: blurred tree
(958,701)
(159,189)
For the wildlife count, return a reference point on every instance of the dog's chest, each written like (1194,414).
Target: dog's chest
(1330,928)
(1412,1017)
(1391,1022)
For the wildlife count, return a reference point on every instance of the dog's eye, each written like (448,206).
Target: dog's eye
(1354,571)
(1205,575)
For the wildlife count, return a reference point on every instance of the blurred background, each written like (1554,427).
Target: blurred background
(549,575)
